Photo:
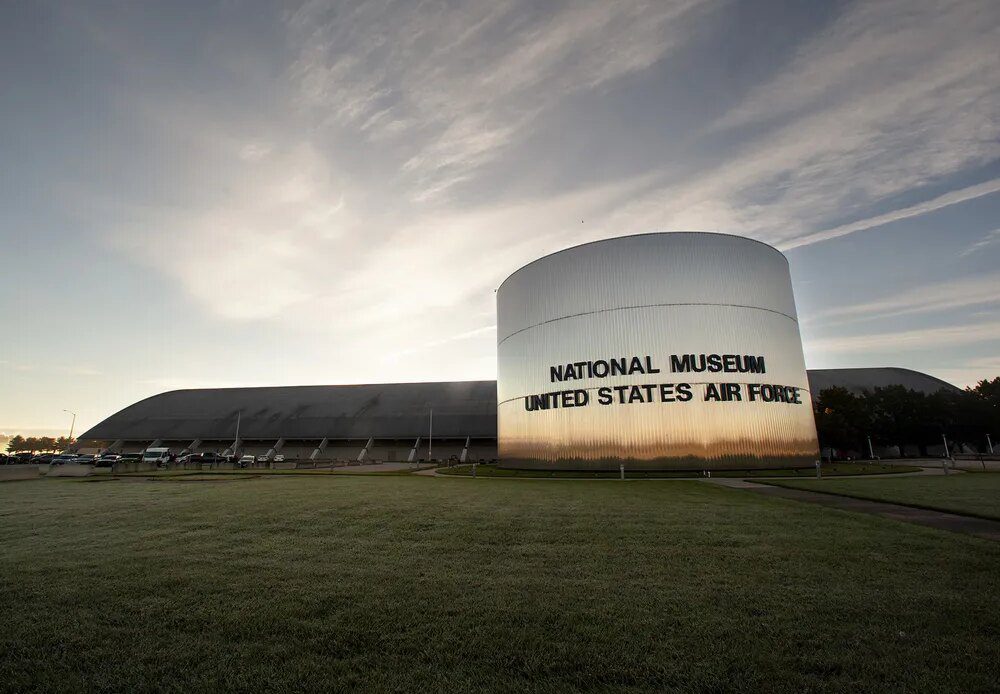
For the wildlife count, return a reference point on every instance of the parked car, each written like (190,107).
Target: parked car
(130,457)
(42,458)
(63,458)
(262,459)
(278,458)
(87,459)
(108,460)
(246,461)
(202,458)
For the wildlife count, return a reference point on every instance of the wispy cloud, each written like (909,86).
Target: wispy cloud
(60,369)
(907,340)
(165,383)
(950,295)
(940,202)
(971,372)
(460,83)
(878,105)
(988,240)
(257,247)
(362,210)
(435,93)
(476,333)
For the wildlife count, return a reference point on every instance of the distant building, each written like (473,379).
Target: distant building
(656,351)
(295,420)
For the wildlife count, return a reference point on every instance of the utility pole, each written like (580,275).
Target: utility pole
(236,444)
(72,425)
(430,438)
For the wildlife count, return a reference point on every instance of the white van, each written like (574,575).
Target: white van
(157,456)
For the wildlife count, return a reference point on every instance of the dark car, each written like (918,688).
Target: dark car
(42,458)
(108,460)
(200,458)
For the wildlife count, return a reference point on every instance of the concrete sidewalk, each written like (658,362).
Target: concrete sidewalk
(953,522)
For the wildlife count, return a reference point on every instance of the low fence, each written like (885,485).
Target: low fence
(133,466)
(19,472)
(70,470)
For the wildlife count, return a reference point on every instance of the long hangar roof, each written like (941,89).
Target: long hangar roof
(389,410)
(857,380)
(386,411)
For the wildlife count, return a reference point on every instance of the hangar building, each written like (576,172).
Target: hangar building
(607,353)
(296,420)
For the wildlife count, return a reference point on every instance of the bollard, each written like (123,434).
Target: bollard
(473,469)
(819,471)
(944,465)
(621,470)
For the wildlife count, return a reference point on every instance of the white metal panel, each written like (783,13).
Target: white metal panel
(653,295)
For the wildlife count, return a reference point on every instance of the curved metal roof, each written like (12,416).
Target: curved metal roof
(857,380)
(386,410)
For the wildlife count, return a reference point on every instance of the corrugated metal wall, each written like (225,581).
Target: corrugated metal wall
(651,295)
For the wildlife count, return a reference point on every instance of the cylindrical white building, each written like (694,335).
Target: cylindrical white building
(656,351)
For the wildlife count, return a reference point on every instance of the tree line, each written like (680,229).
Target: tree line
(895,416)
(38,444)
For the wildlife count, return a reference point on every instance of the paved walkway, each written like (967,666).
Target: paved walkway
(970,525)
(376,467)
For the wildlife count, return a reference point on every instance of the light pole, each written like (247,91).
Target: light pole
(72,425)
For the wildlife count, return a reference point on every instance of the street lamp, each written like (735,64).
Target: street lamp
(72,425)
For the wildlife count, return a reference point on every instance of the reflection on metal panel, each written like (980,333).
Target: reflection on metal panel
(571,324)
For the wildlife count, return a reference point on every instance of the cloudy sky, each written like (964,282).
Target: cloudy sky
(243,193)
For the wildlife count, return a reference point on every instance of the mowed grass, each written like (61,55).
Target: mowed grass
(429,584)
(969,493)
(836,469)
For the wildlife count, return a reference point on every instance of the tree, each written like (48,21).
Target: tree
(16,444)
(897,416)
(988,391)
(842,418)
(986,394)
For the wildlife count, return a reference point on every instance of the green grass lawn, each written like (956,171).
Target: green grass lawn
(834,470)
(426,584)
(971,493)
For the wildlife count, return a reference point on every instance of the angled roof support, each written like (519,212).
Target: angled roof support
(319,449)
(364,451)
(413,451)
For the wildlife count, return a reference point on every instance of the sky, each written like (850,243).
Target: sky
(198,194)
